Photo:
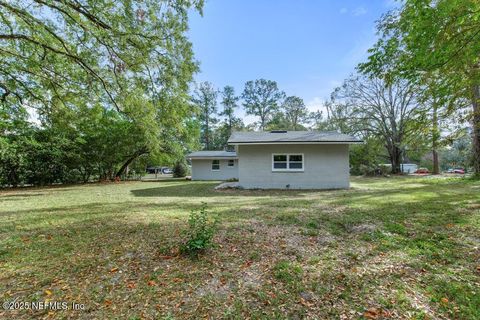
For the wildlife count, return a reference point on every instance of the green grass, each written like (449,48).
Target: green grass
(408,247)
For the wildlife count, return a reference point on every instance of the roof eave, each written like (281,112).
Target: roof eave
(293,142)
(211,157)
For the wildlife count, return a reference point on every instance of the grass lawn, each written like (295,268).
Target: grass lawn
(388,248)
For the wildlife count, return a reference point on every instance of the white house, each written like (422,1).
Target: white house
(279,160)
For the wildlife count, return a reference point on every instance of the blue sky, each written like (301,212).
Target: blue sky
(307,46)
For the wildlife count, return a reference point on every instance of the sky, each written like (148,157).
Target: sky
(308,46)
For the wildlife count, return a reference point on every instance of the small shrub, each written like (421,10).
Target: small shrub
(384,170)
(180,170)
(200,232)
(367,170)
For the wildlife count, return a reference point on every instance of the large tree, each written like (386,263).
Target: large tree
(262,98)
(295,111)
(205,99)
(129,57)
(230,103)
(373,107)
(434,36)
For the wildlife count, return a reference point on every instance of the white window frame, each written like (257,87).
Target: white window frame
(211,165)
(287,169)
(228,163)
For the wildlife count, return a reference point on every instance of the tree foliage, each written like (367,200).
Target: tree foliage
(296,112)
(230,104)
(371,106)
(262,98)
(427,39)
(205,99)
(92,50)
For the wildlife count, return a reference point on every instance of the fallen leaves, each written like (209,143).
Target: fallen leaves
(247,264)
(166,257)
(151,283)
(371,313)
(305,303)
(376,313)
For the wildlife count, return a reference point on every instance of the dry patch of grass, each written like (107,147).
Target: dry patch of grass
(387,248)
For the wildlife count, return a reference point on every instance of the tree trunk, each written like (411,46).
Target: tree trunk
(207,133)
(435,138)
(476,129)
(130,160)
(395,159)
(436,166)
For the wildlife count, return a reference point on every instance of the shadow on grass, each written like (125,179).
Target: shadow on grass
(207,189)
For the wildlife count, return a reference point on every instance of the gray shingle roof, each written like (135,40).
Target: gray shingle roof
(291,137)
(212,154)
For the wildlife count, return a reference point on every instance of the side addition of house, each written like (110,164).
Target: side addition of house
(214,165)
(279,160)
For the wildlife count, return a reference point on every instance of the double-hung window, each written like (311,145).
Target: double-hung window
(215,165)
(287,162)
(231,163)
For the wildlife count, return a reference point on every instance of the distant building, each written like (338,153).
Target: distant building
(404,167)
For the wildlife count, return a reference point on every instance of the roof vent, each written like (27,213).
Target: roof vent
(278,131)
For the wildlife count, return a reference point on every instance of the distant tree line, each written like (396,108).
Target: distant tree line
(260,98)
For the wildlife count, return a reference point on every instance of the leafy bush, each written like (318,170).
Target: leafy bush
(384,170)
(180,170)
(367,170)
(371,171)
(200,232)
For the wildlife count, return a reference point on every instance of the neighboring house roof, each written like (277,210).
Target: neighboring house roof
(294,137)
(212,155)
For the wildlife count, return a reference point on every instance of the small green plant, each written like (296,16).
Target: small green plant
(287,271)
(180,169)
(200,232)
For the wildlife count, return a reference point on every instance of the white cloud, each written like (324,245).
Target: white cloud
(316,104)
(360,11)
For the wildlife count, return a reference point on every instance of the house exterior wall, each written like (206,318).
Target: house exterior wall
(326,166)
(202,170)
